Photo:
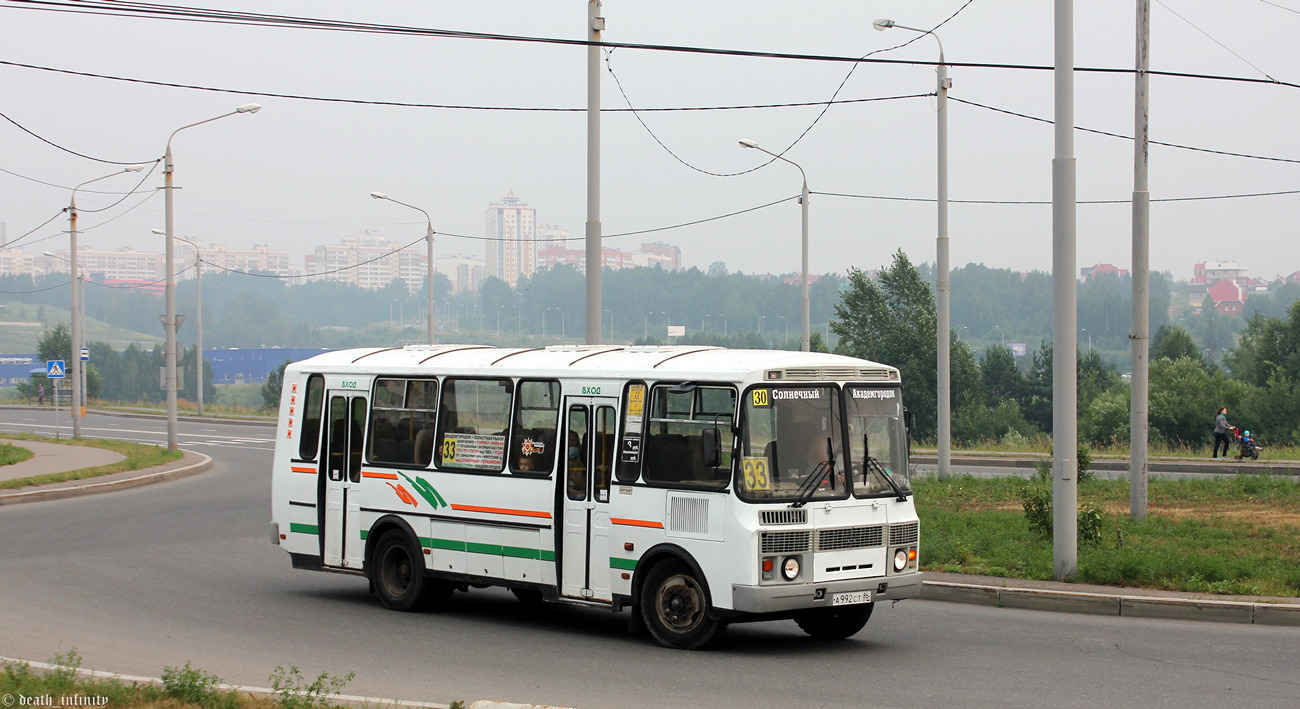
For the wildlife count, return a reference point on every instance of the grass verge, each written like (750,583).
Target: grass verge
(1237,535)
(65,685)
(135,457)
(10,454)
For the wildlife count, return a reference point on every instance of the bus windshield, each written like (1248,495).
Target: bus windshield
(792,444)
(877,440)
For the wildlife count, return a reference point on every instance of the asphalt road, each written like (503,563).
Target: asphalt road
(183,571)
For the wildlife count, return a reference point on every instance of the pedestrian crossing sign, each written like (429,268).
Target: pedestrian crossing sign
(54,369)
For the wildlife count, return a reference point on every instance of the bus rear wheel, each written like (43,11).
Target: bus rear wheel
(835,623)
(398,575)
(675,608)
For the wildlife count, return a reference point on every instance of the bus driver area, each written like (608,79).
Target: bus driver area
(697,486)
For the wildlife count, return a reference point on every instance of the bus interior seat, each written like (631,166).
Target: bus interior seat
(424,446)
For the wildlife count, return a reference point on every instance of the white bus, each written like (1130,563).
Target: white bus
(697,486)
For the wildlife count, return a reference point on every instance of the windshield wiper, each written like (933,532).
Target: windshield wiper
(879,469)
(814,480)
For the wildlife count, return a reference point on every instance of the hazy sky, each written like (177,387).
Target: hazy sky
(300,172)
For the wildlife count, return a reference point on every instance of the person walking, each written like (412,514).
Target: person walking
(1221,429)
(40,395)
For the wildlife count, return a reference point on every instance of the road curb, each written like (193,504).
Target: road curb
(192,464)
(1125,605)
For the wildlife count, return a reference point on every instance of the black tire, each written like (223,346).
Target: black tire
(835,623)
(675,608)
(398,574)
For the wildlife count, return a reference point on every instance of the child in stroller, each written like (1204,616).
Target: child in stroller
(1247,447)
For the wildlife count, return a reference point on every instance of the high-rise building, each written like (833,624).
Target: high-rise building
(511,233)
(368,261)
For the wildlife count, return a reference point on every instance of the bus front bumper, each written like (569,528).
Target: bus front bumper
(798,596)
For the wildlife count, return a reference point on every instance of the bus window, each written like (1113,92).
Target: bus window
(629,457)
(674,441)
(789,435)
(877,439)
(401,421)
(474,421)
(575,454)
(605,445)
(309,433)
(537,415)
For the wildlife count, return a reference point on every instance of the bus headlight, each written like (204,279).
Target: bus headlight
(900,560)
(790,568)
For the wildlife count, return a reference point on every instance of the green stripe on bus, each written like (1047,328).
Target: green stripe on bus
(448,544)
(624,564)
(545,555)
(364,533)
(304,528)
(480,548)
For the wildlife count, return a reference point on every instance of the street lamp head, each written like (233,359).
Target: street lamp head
(249,108)
(134,168)
(379,195)
(159,232)
(747,143)
(881,24)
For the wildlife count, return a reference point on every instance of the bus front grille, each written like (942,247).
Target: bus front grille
(850,538)
(786,542)
(907,533)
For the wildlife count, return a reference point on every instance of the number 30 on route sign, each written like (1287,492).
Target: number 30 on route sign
(55,369)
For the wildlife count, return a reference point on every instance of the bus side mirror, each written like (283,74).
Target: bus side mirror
(711,447)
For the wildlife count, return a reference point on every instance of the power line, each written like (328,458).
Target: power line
(1042,202)
(69,150)
(1120,135)
(176,13)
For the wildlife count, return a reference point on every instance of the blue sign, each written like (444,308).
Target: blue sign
(54,369)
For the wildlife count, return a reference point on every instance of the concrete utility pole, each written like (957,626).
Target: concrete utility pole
(1065,317)
(1139,419)
(595,25)
(77,325)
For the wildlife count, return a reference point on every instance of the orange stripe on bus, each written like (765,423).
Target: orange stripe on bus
(501,511)
(381,476)
(636,522)
(303,470)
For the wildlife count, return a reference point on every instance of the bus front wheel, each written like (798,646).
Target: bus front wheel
(398,574)
(835,623)
(675,608)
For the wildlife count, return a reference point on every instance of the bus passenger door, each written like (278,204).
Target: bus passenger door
(584,491)
(345,425)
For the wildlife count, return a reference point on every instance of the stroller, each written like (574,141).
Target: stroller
(1247,446)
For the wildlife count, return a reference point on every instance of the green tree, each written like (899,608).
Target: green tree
(1184,398)
(56,343)
(1173,342)
(892,320)
(272,387)
(1002,378)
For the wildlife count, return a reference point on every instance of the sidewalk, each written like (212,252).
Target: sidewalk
(49,458)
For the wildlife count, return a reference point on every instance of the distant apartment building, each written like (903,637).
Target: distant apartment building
(653,254)
(123,265)
(369,261)
(511,232)
(218,258)
(464,272)
(16,262)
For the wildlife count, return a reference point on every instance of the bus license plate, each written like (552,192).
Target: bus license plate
(850,598)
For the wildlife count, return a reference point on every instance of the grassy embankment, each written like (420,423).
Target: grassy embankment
(1238,534)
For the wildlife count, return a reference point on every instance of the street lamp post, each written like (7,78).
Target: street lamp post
(431,270)
(943,289)
(803,201)
(198,317)
(169,320)
(77,333)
